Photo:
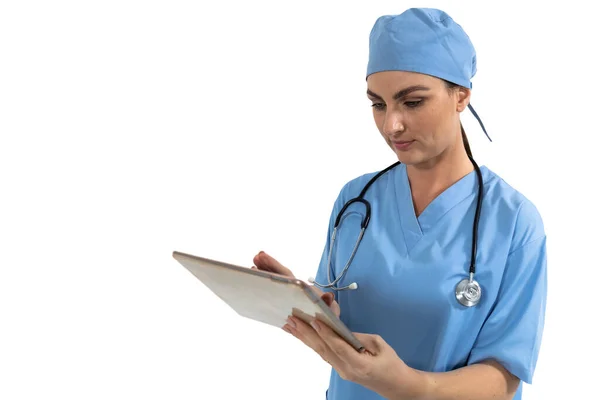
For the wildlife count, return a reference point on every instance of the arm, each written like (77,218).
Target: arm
(485,380)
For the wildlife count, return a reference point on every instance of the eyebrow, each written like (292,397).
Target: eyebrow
(402,93)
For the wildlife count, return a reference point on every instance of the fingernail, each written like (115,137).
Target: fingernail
(291,322)
(315,325)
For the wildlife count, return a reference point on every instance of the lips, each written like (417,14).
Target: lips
(403,144)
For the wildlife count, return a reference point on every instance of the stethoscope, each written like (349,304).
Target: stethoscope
(467,291)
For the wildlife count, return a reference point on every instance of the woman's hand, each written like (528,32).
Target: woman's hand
(377,368)
(265,262)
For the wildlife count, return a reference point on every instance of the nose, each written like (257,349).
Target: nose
(393,124)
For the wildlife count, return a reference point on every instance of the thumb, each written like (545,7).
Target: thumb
(267,263)
(328,298)
(374,344)
(263,260)
(271,261)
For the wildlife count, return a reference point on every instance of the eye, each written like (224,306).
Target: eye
(378,106)
(413,104)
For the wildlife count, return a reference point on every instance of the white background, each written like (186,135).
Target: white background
(130,129)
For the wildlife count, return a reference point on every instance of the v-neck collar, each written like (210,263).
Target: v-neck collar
(414,228)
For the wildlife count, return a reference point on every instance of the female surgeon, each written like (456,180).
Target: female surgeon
(446,289)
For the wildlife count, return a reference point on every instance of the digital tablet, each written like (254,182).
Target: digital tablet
(264,296)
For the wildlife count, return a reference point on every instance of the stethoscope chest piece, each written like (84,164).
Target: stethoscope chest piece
(468,292)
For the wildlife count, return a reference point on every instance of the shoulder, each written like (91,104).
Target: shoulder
(354,186)
(512,208)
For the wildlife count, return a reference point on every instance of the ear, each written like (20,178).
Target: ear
(463,98)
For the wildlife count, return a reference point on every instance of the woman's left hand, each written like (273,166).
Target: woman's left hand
(377,368)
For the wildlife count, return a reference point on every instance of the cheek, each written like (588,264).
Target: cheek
(379,118)
(423,123)
(430,122)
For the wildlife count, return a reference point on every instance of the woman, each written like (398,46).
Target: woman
(426,336)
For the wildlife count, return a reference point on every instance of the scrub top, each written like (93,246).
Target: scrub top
(407,268)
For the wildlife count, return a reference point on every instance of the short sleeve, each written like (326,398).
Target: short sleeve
(512,333)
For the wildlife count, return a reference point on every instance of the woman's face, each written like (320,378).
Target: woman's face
(417,115)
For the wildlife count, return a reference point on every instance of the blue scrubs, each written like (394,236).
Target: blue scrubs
(407,269)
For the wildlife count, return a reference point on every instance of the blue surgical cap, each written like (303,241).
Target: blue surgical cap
(423,40)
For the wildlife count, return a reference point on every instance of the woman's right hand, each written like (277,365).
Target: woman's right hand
(265,262)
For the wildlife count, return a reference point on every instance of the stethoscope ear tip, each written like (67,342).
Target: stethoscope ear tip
(311,280)
(353,286)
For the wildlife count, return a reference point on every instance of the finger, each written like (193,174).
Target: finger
(305,333)
(257,259)
(374,344)
(328,298)
(338,346)
(335,307)
(260,261)
(267,263)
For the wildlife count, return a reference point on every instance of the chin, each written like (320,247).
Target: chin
(409,157)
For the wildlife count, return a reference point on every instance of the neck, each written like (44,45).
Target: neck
(428,180)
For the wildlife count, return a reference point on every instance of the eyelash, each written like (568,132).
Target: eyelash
(409,104)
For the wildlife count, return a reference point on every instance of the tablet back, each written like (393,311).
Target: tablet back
(263,296)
